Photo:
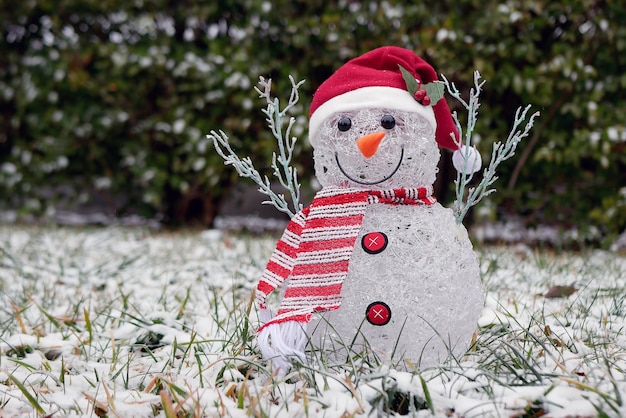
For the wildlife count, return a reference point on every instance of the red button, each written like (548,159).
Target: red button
(374,242)
(378,313)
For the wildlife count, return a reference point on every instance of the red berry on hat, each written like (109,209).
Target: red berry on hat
(419,95)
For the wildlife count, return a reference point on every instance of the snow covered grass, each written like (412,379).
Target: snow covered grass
(130,322)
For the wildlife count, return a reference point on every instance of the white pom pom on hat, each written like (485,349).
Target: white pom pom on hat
(467,159)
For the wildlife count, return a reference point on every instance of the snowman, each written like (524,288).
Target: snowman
(375,262)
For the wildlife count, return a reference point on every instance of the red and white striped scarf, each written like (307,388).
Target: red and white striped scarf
(315,249)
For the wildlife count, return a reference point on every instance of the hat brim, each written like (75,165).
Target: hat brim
(373,97)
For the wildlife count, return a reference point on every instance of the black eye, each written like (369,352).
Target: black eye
(344,124)
(387,122)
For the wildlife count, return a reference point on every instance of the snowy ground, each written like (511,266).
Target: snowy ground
(132,322)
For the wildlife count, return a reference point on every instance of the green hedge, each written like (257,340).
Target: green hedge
(112,99)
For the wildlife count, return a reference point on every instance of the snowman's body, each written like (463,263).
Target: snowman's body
(427,275)
(411,289)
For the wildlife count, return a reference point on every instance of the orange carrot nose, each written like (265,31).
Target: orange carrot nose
(368,144)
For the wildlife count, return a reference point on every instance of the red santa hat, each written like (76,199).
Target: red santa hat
(375,80)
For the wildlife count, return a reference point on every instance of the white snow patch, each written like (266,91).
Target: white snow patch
(122,313)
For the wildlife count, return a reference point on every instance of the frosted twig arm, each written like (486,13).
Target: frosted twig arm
(281,162)
(500,152)
(465,175)
(245,168)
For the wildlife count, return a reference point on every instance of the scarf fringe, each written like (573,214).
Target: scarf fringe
(283,343)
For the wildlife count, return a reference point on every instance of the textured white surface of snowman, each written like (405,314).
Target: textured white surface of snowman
(374,261)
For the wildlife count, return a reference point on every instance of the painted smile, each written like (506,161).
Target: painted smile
(369,183)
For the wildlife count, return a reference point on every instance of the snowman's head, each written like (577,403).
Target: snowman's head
(369,131)
(377,148)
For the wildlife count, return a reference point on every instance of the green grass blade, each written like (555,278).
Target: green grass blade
(27,394)
(88,325)
(427,397)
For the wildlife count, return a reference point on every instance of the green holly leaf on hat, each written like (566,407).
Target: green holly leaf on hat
(435,91)
(411,83)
